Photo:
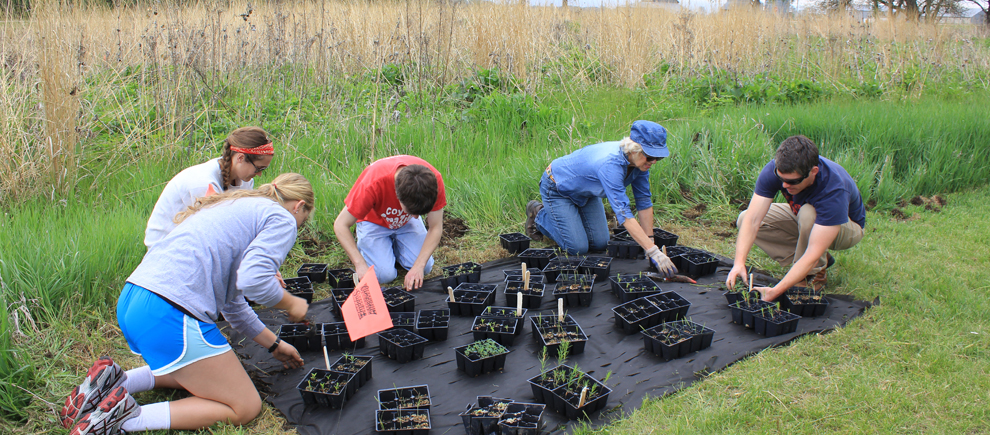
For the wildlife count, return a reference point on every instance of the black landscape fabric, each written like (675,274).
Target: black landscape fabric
(636,374)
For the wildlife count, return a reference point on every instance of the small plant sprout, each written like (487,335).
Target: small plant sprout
(562,351)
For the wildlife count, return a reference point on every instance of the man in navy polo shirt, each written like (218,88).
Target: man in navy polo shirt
(824,210)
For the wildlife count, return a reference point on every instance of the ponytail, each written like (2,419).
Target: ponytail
(284,188)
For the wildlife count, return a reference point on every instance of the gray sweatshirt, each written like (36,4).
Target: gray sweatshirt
(215,258)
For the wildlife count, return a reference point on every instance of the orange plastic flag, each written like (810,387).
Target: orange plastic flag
(210,191)
(365,311)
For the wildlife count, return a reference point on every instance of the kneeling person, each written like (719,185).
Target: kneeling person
(824,210)
(386,203)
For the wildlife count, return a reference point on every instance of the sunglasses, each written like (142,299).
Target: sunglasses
(257,170)
(791,182)
(652,159)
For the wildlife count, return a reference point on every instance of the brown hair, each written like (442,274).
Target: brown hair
(796,154)
(416,188)
(285,187)
(244,137)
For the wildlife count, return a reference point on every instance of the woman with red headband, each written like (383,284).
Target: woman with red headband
(247,152)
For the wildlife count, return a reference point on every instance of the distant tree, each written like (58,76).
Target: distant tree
(984,6)
(912,9)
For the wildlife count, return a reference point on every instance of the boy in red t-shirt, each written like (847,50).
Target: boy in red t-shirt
(386,203)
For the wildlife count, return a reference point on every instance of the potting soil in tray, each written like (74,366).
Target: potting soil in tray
(636,373)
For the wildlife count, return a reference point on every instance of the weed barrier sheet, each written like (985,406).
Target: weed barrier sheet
(636,374)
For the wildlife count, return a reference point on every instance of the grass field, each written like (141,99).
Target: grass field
(900,105)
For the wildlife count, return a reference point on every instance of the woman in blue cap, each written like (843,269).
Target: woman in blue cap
(572,188)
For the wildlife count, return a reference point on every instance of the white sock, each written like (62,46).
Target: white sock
(139,379)
(155,416)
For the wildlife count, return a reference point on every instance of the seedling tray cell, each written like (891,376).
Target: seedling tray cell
(532,298)
(664,238)
(433,325)
(325,388)
(521,419)
(404,320)
(469,302)
(516,274)
(598,266)
(336,337)
(483,418)
(514,242)
(480,357)
(538,258)
(401,345)
(804,302)
(501,330)
(403,421)
(636,315)
(697,265)
(301,336)
(398,299)
(316,272)
(301,287)
(341,278)
(414,397)
(453,275)
(358,365)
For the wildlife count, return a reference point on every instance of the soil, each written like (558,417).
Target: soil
(453,228)
(314,243)
(696,211)
(871,204)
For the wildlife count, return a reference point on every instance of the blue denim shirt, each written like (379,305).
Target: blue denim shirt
(599,171)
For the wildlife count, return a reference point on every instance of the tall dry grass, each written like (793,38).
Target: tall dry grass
(182,60)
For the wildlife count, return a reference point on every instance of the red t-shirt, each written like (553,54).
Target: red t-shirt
(372,199)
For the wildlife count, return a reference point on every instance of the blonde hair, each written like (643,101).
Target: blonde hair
(285,187)
(628,146)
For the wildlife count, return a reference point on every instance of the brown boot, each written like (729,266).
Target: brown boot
(532,208)
(818,280)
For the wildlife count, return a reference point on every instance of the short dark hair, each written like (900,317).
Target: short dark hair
(416,189)
(796,154)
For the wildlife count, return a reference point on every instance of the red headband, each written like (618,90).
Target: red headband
(264,150)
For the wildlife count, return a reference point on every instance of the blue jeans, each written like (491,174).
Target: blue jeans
(576,229)
(379,246)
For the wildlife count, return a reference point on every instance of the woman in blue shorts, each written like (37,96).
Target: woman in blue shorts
(226,247)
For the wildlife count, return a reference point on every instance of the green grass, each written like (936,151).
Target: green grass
(64,260)
(915,363)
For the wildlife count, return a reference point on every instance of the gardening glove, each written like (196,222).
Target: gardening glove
(661,262)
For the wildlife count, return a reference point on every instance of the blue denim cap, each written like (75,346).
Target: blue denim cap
(651,136)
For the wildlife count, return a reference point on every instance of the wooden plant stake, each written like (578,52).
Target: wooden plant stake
(326,358)
(524,268)
(526,280)
(450,291)
(584,397)
(750,282)
(560,310)
(518,304)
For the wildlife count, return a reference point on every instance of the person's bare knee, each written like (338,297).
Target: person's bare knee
(246,410)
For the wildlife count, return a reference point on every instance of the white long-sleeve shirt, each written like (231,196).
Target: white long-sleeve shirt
(181,192)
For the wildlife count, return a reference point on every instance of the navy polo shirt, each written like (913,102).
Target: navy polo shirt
(833,194)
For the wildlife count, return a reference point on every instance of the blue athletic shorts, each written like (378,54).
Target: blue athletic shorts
(165,337)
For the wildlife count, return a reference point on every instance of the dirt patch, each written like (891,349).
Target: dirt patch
(933,204)
(726,234)
(695,212)
(871,204)
(315,243)
(453,228)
